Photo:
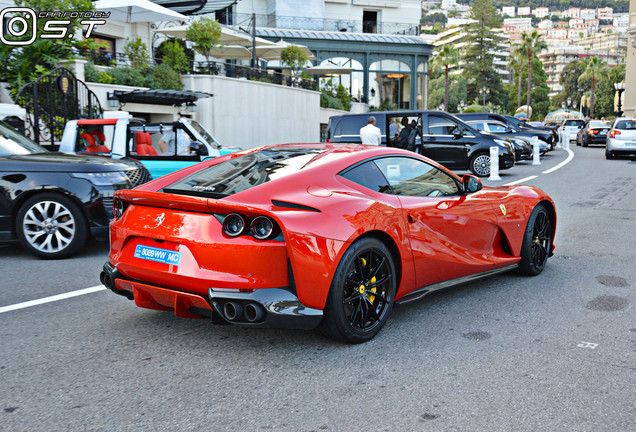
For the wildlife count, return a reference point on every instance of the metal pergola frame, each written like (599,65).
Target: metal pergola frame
(366,48)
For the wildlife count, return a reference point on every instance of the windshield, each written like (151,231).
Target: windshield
(598,124)
(625,124)
(12,143)
(203,132)
(244,172)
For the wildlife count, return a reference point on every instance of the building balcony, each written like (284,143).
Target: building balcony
(320,24)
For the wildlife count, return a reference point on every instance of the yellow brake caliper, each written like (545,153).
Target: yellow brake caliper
(373,280)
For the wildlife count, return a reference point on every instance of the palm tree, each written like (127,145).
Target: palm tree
(532,44)
(515,62)
(447,56)
(596,66)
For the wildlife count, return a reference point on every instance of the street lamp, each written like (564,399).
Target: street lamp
(440,107)
(483,92)
(620,88)
(462,106)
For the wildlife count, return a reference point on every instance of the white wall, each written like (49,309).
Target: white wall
(248,114)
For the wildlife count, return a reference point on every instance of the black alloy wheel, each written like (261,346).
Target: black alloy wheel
(361,294)
(537,242)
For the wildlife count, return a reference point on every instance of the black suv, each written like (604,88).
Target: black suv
(542,132)
(437,135)
(51,202)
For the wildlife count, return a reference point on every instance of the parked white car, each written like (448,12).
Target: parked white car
(569,129)
(621,139)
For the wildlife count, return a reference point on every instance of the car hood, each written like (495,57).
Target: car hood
(61,162)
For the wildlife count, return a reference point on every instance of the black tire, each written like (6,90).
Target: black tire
(537,242)
(608,155)
(480,164)
(51,226)
(359,304)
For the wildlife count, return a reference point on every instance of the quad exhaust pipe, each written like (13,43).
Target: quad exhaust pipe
(233,311)
(251,312)
(254,312)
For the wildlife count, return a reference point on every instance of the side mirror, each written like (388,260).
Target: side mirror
(458,133)
(199,148)
(471,183)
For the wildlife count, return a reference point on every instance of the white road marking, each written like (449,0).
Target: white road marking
(590,345)
(50,299)
(521,181)
(562,164)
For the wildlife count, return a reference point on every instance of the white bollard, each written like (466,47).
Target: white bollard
(494,163)
(536,149)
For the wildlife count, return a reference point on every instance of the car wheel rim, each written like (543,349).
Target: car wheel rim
(49,226)
(481,165)
(367,291)
(541,238)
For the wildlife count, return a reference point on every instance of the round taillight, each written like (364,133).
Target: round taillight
(234,225)
(263,228)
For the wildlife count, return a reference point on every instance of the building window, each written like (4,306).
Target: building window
(369,21)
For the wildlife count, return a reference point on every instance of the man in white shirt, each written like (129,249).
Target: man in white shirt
(178,143)
(370,134)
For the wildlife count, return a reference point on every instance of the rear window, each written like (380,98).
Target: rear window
(573,123)
(244,172)
(598,124)
(625,124)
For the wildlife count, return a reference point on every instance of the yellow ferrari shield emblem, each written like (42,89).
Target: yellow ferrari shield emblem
(503,209)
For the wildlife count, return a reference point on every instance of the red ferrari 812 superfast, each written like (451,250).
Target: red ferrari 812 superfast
(317,235)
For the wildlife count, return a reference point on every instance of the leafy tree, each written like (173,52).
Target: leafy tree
(137,52)
(294,58)
(456,92)
(532,44)
(434,18)
(540,90)
(569,79)
(447,56)
(174,53)
(516,63)
(595,68)
(335,97)
(205,33)
(478,56)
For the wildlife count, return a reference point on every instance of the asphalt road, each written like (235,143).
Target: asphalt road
(555,352)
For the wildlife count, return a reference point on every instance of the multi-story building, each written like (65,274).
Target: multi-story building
(578,32)
(612,42)
(587,14)
(517,24)
(541,12)
(592,25)
(457,38)
(573,12)
(630,75)
(545,25)
(508,10)
(575,21)
(378,39)
(605,13)
(555,60)
(524,11)
(621,22)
